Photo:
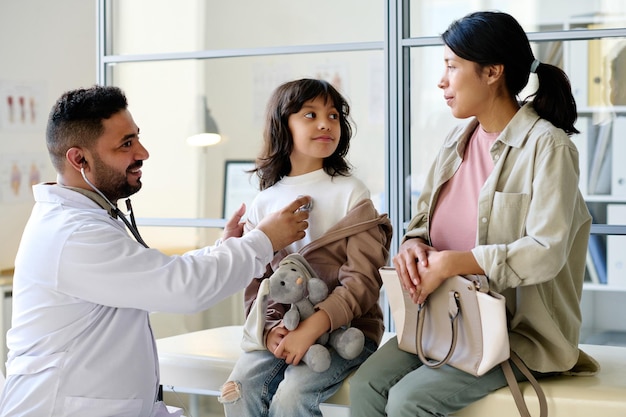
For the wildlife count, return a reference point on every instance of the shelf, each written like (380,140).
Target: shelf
(590,111)
(589,286)
(605,198)
(608,229)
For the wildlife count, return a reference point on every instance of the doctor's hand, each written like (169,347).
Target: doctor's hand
(287,225)
(234,226)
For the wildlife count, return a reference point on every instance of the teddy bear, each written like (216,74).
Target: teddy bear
(294,282)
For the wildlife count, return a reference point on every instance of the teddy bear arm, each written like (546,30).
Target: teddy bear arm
(291,319)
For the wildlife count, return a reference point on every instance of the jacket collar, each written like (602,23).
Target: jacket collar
(95,197)
(513,135)
(516,132)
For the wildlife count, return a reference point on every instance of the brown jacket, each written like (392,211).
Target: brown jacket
(347,257)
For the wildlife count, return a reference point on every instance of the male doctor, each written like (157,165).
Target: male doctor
(80,342)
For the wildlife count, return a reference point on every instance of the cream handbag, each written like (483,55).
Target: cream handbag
(461,324)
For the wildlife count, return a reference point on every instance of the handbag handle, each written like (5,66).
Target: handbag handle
(515,389)
(454,308)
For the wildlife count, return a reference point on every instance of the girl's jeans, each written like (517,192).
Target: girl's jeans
(265,386)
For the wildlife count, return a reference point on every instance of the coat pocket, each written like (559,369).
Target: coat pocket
(508,217)
(98,407)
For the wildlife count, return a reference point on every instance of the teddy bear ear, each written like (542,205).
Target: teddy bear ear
(318,290)
(289,259)
(299,260)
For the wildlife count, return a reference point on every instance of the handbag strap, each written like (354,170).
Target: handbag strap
(515,390)
(481,283)
(454,309)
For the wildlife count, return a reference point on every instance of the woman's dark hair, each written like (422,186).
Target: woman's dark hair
(273,162)
(76,119)
(488,38)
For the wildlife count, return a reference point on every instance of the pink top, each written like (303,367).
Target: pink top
(453,225)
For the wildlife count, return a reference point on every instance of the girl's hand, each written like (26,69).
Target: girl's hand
(274,337)
(294,345)
(410,253)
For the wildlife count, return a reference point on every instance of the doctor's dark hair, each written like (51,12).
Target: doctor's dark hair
(491,37)
(273,162)
(76,119)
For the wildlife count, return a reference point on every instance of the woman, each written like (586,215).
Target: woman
(502,200)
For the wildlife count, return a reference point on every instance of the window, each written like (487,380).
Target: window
(164,89)
(386,57)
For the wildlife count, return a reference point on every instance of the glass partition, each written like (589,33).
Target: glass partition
(149,26)
(386,57)
(432,17)
(165,99)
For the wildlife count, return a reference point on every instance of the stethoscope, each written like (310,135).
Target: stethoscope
(132,226)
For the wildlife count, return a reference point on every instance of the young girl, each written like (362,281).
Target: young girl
(306,139)
(502,200)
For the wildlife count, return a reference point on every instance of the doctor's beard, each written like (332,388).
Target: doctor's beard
(113,184)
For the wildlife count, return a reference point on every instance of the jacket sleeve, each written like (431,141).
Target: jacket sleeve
(359,279)
(102,265)
(418,226)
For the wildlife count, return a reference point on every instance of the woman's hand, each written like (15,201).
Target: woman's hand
(442,265)
(432,274)
(411,253)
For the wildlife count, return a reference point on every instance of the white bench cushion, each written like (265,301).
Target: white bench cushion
(603,394)
(200,362)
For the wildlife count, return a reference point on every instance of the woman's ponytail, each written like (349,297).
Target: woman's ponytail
(553,99)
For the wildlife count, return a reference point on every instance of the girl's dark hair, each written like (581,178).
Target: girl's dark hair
(76,119)
(273,162)
(488,38)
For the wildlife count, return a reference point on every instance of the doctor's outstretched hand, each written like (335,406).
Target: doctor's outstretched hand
(285,226)
(234,226)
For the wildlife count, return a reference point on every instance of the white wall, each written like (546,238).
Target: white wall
(50,47)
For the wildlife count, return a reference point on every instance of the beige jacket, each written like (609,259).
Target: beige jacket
(532,232)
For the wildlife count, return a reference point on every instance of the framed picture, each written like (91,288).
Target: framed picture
(240,186)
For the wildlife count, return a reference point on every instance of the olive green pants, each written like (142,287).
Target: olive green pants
(394,383)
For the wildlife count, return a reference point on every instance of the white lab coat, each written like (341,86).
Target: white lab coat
(80,342)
